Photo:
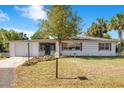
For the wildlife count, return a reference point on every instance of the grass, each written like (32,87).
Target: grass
(89,72)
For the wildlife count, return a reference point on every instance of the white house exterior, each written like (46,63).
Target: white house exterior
(72,47)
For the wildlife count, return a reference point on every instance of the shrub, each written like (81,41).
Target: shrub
(35,60)
(30,62)
(1,56)
(45,58)
(122,45)
(122,52)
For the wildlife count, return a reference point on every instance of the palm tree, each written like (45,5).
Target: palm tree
(98,28)
(117,23)
(101,26)
(91,31)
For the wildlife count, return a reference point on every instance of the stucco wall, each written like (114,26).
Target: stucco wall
(21,49)
(34,49)
(12,49)
(90,48)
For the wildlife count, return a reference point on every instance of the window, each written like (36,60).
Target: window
(52,46)
(71,46)
(42,47)
(105,46)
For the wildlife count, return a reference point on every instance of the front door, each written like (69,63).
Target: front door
(47,49)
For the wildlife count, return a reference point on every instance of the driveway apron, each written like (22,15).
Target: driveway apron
(7,67)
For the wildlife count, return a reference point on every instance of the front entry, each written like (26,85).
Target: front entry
(47,49)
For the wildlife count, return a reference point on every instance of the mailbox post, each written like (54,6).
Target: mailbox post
(57,58)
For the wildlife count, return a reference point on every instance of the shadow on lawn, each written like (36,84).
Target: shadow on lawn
(80,77)
(66,78)
(83,78)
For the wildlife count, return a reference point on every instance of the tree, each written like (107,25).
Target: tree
(22,36)
(107,36)
(40,35)
(117,23)
(3,40)
(7,35)
(42,32)
(98,28)
(62,23)
(13,35)
(91,31)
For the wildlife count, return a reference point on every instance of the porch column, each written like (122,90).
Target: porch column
(82,45)
(57,49)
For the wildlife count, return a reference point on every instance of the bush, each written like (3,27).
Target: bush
(122,52)
(35,60)
(1,56)
(30,62)
(123,43)
(45,58)
(122,48)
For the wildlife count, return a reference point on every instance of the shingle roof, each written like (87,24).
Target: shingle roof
(93,38)
(81,38)
(75,38)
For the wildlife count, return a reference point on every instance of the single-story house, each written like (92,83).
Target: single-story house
(83,46)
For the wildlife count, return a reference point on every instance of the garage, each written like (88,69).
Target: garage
(21,49)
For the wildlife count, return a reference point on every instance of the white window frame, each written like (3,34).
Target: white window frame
(104,46)
(67,47)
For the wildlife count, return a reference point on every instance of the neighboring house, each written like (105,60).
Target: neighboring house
(85,46)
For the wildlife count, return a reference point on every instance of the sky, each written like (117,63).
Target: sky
(25,18)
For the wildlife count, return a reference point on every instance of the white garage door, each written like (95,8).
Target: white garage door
(21,49)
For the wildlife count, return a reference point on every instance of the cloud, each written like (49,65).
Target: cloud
(28,32)
(34,12)
(3,16)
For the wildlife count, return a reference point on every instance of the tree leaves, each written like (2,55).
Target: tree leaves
(98,28)
(117,23)
(8,35)
(61,23)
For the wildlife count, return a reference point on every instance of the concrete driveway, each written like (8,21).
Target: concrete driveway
(7,68)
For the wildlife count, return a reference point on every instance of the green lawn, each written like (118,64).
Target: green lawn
(93,72)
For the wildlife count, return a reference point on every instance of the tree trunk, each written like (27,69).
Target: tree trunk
(59,47)
(120,39)
(120,36)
